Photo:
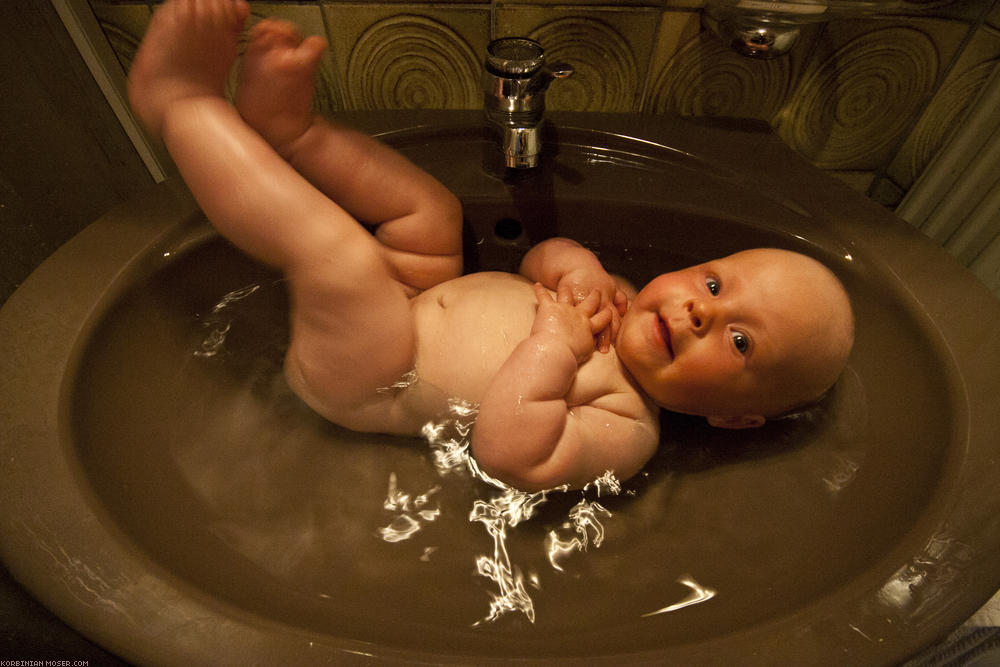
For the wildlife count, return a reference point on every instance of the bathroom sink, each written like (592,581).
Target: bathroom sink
(166,495)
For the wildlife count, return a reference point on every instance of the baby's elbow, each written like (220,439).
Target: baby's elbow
(514,471)
(527,479)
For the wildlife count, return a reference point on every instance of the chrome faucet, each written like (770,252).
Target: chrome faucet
(514,84)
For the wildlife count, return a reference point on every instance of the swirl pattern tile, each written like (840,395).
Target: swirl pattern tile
(412,62)
(948,106)
(853,107)
(705,78)
(606,77)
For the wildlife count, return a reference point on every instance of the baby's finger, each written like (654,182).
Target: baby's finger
(541,293)
(564,293)
(600,321)
(616,323)
(604,342)
(621,302)
(591,304)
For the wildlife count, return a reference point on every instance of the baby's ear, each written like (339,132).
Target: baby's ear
(737,421)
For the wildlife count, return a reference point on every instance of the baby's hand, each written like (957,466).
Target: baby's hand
(574,321)
(581,283)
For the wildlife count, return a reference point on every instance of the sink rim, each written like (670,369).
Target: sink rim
(41,526)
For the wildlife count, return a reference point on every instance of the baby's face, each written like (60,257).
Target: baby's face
(755,333)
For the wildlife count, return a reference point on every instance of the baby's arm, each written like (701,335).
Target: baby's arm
(562,263)
(528,434)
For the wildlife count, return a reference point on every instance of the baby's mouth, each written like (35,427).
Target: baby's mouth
(665,335)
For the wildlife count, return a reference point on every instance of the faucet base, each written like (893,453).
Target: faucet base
(521,147)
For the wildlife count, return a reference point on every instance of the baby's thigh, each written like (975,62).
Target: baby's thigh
(345,347)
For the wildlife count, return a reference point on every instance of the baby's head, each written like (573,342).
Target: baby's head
(739,339)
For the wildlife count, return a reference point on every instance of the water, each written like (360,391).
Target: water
(705,537)
(503,511)
(498,508)
(225,480)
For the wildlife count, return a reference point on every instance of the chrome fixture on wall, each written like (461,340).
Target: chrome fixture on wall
(767,29)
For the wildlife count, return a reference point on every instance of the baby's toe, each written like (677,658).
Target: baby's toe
(273,34)
(311,49)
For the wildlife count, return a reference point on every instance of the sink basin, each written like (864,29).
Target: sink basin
(167,495)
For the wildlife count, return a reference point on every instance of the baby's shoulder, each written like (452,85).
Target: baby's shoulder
(602,382)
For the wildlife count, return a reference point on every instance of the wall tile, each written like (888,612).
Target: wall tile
(408,56)
(124,26)
(865,84)
(946,109)
(610,67)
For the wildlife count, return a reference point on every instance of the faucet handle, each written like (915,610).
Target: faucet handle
(560,70)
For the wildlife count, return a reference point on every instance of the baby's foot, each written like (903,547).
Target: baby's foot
(277,76)
(188,51)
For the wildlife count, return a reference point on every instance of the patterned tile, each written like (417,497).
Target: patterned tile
(864,87)
(124,26)
(408,56)
(945,110)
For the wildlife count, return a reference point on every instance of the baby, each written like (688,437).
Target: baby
(568,373)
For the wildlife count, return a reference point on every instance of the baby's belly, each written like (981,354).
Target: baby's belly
(466,329)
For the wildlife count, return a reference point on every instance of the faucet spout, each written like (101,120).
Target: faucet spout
(514,82)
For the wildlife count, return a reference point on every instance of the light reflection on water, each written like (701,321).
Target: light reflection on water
(219,324)
(449,440)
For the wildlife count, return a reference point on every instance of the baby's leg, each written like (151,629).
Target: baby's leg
(345,303)
(417,220)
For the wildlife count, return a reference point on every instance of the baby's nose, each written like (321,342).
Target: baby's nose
(699,314)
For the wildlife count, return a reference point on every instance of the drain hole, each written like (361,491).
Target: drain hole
(508,229)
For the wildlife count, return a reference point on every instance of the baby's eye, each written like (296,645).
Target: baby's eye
(741,342)
(713,285)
